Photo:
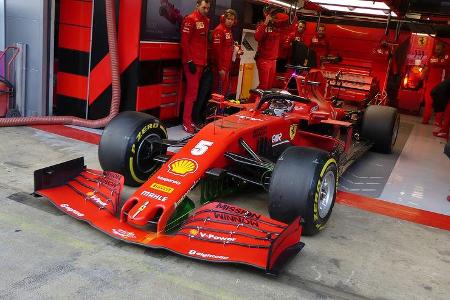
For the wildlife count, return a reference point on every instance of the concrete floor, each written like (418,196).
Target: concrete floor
(48,255)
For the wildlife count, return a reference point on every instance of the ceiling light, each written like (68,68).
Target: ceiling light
(281,3)
(357,10)
(354,3)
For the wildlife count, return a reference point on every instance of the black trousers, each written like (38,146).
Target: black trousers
(441,95)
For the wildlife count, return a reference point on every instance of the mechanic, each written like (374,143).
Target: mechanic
(296,35)
(441,105)
(436,70)
(222,51)
(297,49)
(194,45)
(319,44)
(268,38)
(287,34)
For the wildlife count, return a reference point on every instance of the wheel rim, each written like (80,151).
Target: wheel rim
(149,148)
(326,193)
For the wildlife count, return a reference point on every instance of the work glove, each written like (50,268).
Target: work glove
(192,67)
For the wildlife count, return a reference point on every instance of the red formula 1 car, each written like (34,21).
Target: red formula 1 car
(293,145)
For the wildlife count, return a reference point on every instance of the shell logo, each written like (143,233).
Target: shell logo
(183,166)
(193,232)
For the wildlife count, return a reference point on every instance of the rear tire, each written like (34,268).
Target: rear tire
(380,125)
(303,183)
(129,144)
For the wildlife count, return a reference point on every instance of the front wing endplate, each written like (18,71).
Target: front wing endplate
(217,232)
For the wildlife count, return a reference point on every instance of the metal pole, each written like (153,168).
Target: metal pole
(20,78)
(318,20)
(386,32)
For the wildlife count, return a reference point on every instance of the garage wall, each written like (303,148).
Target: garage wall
(27,22)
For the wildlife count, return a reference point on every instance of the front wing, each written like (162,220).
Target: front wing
(216,232)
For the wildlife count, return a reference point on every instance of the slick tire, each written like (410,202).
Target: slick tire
(303,183)
(129,145)
(380,125)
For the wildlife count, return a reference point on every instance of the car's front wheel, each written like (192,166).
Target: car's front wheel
(304,183)
(129,145)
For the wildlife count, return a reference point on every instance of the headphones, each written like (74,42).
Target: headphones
(229,12)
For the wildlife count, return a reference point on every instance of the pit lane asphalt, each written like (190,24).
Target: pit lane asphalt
(45,254)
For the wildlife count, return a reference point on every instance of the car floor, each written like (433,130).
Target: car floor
(359,255)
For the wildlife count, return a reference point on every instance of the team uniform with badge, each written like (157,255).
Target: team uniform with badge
(268,44)
(194,43)
(223,47)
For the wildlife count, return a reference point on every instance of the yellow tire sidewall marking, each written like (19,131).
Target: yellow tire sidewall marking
(133,173)
(133,148)
(316,196)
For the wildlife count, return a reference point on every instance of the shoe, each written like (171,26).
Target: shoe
(438,119)
(437,130)
(189,128)
(441,134)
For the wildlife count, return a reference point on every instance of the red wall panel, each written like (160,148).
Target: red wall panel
(74,37)
(76,12)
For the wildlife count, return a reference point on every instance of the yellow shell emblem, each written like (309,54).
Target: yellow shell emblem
(183,166)
(193,232)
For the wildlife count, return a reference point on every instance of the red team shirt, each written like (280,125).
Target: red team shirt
(223,46)
(194,38)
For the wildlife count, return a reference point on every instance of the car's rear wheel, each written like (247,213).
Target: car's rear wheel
(129,145)
(303,183)
(380,125)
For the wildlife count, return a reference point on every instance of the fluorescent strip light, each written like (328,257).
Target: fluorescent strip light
(357,3)
(284,4)
(365,11)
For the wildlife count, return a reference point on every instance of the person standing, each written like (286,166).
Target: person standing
(436,71)
(441,104)
(268,39)
(194,46)
(222,51)
(296,35)
(319,44)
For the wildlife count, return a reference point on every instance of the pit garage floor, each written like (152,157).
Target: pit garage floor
(375,246)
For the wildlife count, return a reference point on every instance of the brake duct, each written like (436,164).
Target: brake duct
(115,99)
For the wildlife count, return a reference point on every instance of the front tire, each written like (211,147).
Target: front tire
(129,144)
(303,183)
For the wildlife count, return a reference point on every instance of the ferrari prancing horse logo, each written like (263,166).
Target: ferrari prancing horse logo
(422,41)
(293,131)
